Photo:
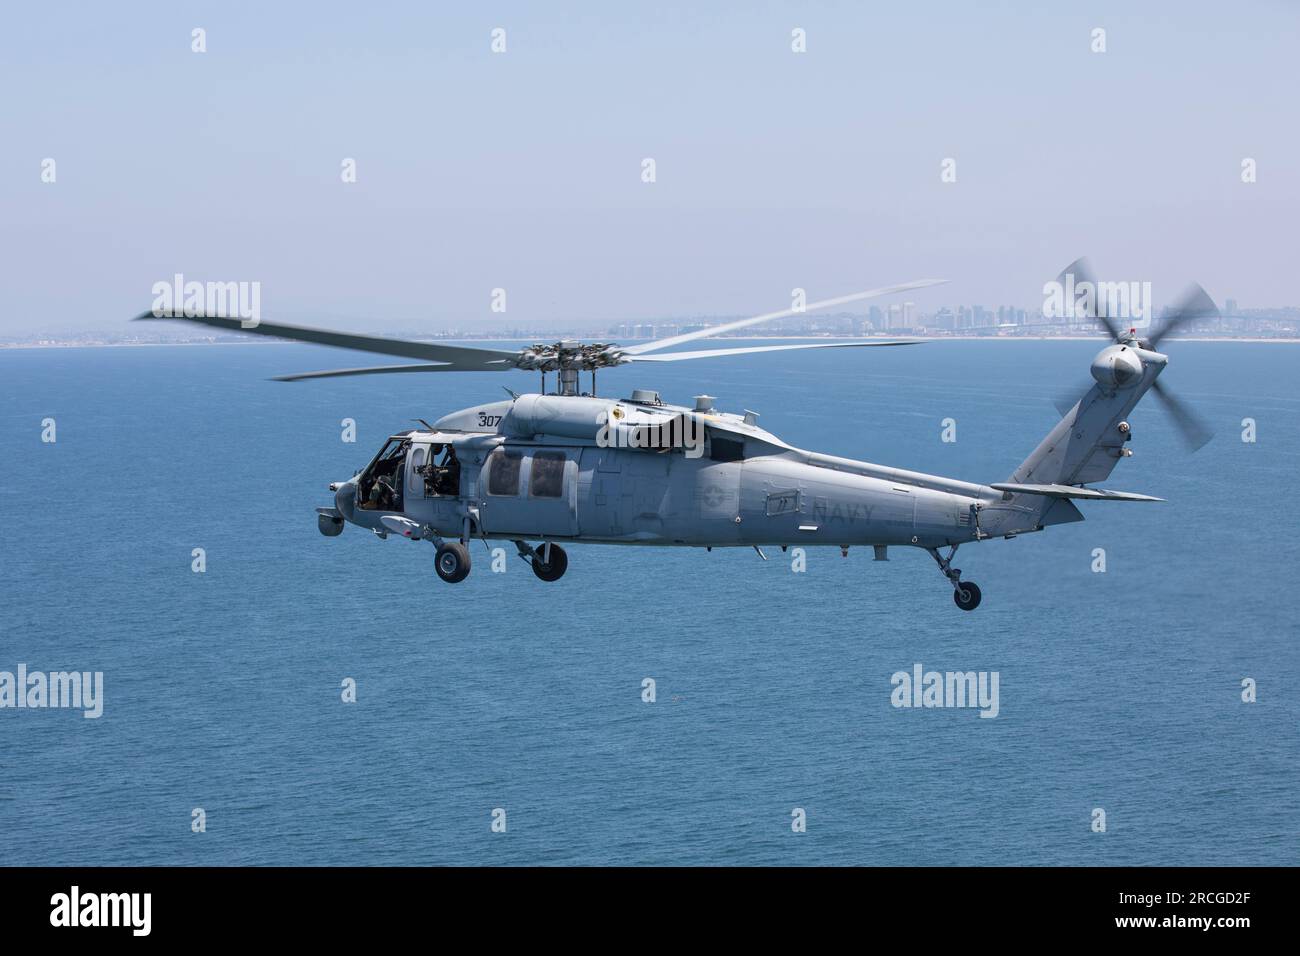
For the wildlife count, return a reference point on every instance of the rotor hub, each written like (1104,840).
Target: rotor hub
(578,356)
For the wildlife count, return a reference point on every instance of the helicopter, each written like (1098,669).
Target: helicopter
(548,469)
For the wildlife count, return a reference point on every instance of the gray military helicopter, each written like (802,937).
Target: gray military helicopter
(563,466)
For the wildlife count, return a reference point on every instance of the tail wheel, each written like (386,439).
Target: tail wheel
(553,569)
(452,562)
(967,596)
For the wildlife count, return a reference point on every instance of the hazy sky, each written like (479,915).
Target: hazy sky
(522,170)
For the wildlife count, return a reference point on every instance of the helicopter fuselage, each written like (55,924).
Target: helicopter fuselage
(641,472)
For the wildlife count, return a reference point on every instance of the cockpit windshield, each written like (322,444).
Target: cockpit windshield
(380,486)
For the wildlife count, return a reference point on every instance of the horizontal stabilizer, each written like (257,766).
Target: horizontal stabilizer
(1073,491)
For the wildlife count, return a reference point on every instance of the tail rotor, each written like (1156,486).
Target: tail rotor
(1195,303)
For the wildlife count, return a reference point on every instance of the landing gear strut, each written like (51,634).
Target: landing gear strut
(966,594)
(549,562)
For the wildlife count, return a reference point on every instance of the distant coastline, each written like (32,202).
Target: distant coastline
(75,344)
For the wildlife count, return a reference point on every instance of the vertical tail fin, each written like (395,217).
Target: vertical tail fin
(1087,443)
(1084,446)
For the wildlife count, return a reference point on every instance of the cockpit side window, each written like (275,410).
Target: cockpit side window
(503,472)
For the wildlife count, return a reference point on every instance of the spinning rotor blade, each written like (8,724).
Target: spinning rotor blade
(1067,400)
(784,313)
(1191,426)
(382,369)
(466,359)
(561,355)
(1194,304)
(711,353)
(1081,269)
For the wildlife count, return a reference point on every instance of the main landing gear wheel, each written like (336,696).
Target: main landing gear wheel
(964,594)
(452,562)
(967,596)
(554,567)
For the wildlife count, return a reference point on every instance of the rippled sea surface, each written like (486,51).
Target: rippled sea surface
(1118,690)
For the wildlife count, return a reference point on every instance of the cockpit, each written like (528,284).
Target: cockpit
(408,467)
(379,488)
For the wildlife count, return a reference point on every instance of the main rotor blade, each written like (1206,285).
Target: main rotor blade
(711,353)
(1081,269)
(385,369)
(1191,426)
(711,331)
(470,359)
(1195,303)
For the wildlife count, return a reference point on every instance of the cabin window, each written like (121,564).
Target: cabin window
(546,480)
(503,472)
(726,449)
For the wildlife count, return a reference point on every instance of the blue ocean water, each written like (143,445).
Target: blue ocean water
(1119,690)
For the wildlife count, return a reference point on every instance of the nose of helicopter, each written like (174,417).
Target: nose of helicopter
(345,499)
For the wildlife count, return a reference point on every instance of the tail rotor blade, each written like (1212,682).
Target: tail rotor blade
(1194,304)
(1064,401)
(1193,429)
(1081,269)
